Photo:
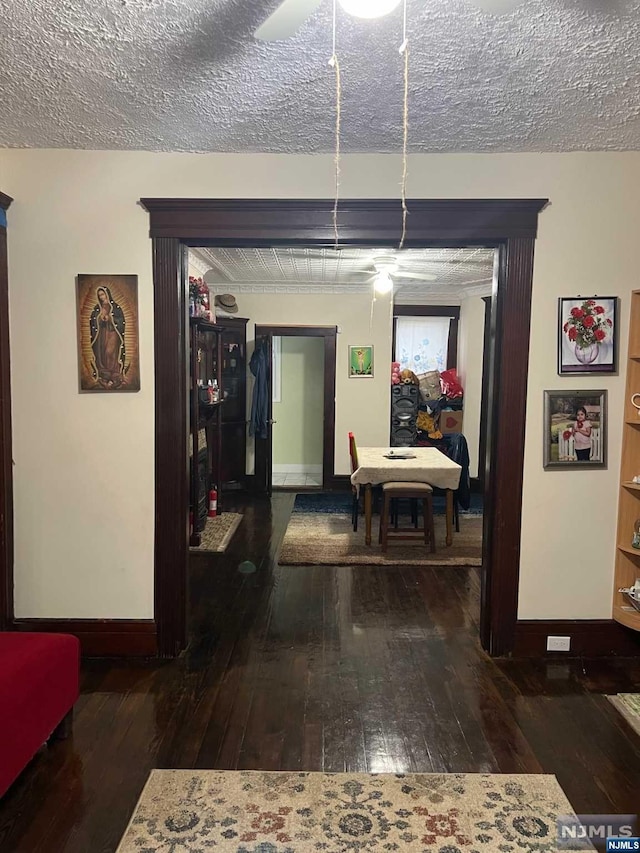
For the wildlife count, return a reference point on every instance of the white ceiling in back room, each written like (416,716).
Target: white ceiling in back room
(167,75)
(422,276)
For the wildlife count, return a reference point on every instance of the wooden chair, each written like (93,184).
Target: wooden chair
(355,507)
(414,491)
(376,490)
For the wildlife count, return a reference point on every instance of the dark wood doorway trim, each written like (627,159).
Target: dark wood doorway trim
(6,473)
(507,224)
(329,334)
(484,395)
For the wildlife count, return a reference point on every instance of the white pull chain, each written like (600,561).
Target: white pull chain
(334,62)
(404,50)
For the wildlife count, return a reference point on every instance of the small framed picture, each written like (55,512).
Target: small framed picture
(575,429)
(587,335)
(361,362)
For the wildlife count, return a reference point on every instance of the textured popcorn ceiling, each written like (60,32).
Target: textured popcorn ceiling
(452,273)
(186,75)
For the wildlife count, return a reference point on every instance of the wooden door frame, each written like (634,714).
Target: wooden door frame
(6,461)
(330,336)
(510,225)
(484,395)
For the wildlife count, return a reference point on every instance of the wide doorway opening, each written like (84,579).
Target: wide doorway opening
(509,226)
(398,372)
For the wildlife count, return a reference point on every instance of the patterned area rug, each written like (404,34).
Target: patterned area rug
(340,503)
(328,540)
(254,812)
(629,706)
(218,532)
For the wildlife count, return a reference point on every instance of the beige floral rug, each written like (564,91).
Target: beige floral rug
(629,706)
(316,539)
(218,532)
(184,811)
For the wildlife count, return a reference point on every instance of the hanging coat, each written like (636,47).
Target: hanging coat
(458,451)
(259,366)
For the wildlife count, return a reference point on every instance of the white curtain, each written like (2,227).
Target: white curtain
(422,343)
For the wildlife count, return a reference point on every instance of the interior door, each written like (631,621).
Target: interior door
(264,434)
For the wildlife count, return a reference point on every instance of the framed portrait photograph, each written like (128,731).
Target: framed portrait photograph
(361,362)
(575,429)
(587,335)
(108,343)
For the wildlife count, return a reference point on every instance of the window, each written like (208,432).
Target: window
(424,341)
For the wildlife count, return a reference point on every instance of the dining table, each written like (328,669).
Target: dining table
(377,465)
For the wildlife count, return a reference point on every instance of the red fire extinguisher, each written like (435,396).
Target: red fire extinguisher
(213,503)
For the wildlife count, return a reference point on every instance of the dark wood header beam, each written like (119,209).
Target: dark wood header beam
(452,311)
(265,221)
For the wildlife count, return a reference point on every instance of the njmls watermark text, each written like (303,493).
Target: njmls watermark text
(586,831)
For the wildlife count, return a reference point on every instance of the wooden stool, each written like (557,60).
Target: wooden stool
(417,491)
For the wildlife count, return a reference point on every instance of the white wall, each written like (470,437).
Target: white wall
(298,432)
(84,501)
(470,359)
(362,405)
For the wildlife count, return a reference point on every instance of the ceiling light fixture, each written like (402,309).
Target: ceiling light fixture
(383,283)
(369,8)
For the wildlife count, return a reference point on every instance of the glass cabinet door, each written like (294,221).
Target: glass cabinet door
(207,357)
(233,370)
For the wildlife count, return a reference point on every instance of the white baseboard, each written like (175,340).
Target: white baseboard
(297,469)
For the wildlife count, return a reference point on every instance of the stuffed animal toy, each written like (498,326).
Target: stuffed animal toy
(395,372)
(427,423)
(408,377)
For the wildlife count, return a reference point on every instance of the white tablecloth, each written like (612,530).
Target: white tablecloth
(429,466)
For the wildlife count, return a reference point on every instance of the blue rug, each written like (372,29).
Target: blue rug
(339,503)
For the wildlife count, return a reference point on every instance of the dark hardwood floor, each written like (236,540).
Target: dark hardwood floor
(362,668)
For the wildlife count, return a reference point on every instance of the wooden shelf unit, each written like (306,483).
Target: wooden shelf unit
(627,567)
(234,411)
(627,549)
(205,361)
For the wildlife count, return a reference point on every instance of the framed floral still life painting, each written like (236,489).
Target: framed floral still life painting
(361,362)
(575,429)
(108,343)
(588,335)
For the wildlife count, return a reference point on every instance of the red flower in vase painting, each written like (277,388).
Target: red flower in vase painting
(587,334)
(586,324)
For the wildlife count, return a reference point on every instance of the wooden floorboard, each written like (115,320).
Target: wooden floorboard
(360,668)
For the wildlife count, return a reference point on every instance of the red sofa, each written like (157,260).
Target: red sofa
(39,681)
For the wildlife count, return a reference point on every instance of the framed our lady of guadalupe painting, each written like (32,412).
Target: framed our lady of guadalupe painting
(108,342)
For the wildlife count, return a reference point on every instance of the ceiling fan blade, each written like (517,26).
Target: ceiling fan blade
(415,276)
(324,254)
(215,276)
(497,7)
(286,20)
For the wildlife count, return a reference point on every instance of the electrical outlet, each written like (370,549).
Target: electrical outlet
(558,644)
